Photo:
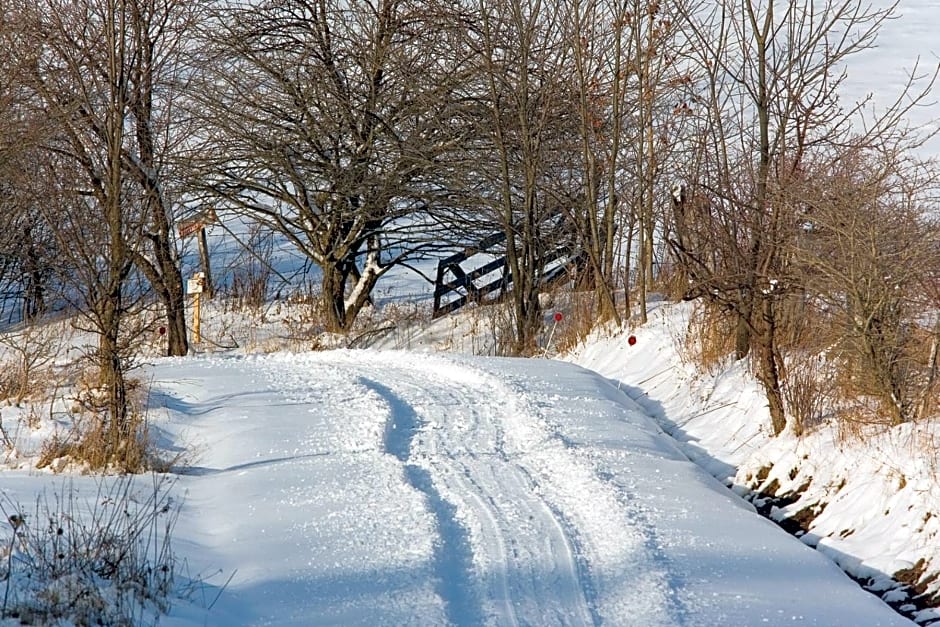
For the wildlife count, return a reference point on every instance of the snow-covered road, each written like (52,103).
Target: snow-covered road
(393,488)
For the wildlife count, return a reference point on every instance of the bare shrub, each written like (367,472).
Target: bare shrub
(671,281)
(399,320)
(94,442)
(865,398)
(808,390)
(101,561)
(579,315)
(33,348)
(8,439)
(869,252)
(302,318)
(710,337)
(252,270)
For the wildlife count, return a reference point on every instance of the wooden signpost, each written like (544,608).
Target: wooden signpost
(196,224)
(196,287)
(201,282)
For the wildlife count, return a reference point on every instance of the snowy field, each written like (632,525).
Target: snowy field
(906,45)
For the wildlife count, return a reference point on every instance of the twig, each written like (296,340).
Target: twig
(222,589)
(7,441)
(707,411)
(15,521)
(653,376)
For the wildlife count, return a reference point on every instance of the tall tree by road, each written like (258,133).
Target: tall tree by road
(327,121)
(770,104)
(79,62)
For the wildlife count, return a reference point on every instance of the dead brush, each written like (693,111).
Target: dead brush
(400,320)
(859,420)
(671,281)
(96,442)
(810,371)
(31,351)
(99,559)
(808,390)
(876,392)
(302,320)
(578,317)
(709,338)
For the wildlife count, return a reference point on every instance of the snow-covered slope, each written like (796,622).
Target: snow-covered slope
(392,488)
(870,504)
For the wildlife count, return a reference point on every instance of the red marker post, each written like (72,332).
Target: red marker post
(558,317)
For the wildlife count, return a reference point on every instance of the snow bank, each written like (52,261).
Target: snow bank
(872,505)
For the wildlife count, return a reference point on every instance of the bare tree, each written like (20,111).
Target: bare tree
(597,34)
(658,77)
(159,33)
(79,57)
(26,248)
(327,122)
(523,145)
(150,67)
(869,252)
(769,106)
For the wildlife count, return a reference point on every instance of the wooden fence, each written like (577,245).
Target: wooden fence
(456,286)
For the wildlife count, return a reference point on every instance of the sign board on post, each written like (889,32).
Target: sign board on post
(189,227)
(196,224)
(197,221)
(194,286)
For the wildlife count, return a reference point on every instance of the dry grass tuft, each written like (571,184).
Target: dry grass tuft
(104,560)
(96,443)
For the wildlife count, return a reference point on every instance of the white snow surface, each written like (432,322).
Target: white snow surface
(402,488)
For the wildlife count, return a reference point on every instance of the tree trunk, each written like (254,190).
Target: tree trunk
(177,342)
(165,275)
(927,394)
(528,321)
(167,280)
(174,301)
(742,335)
(333,297)
(769,365)
(113,379)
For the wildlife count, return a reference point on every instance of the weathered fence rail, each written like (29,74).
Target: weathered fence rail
(455,286)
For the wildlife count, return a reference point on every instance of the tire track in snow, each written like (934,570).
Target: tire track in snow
(527,563)
(632,504)
(530,533)
(452,561)
(612,540)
